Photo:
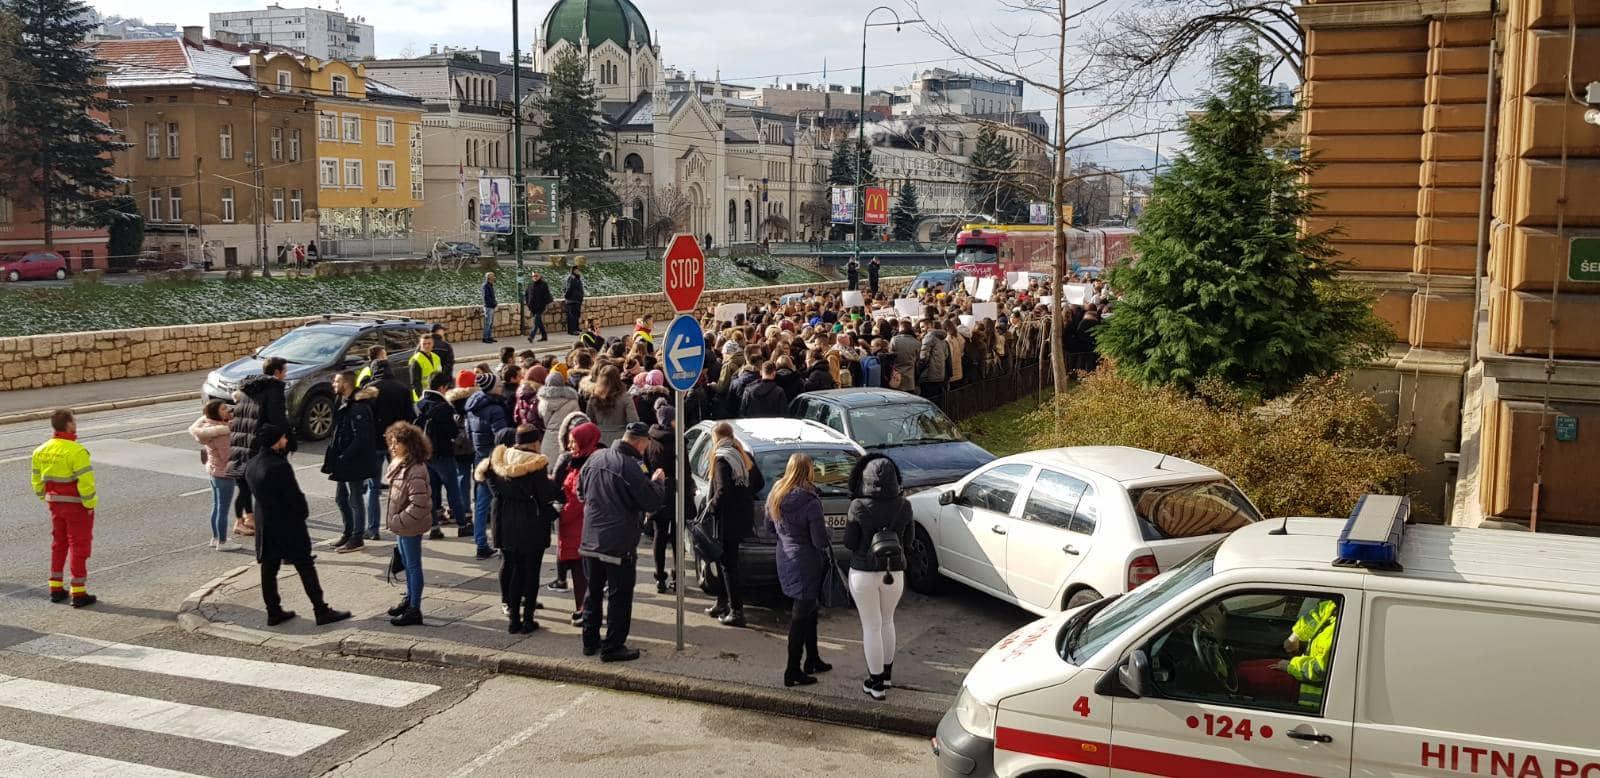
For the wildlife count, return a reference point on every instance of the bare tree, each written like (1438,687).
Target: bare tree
(666,211)
(1144,46)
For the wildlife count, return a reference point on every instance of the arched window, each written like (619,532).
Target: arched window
(606,160)
(633,163)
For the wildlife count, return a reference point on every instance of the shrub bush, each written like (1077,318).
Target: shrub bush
(1312,452)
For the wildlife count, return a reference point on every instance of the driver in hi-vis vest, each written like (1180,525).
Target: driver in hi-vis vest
(1299,679)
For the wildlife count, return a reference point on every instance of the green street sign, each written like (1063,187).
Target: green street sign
(1566,428)
(1583,260)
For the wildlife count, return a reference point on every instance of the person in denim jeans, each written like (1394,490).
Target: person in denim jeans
(352,456)
(410,511)
(211,432)
(489,304)
(487,414)
(438,421)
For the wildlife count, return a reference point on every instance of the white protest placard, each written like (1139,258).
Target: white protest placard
(966,319)
(853,300)
(1047,301)
(908,307)
(1075,294)
(981,311)
(883,313)
(728,311)
(985,289)
(971,283)
(1017,281)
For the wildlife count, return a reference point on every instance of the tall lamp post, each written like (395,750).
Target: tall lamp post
(518,208)
(861,125)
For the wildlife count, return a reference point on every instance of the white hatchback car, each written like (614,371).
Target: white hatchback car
(1054,529)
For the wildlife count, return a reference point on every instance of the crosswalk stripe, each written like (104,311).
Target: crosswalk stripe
(226,727)
(337,684)
(21,759)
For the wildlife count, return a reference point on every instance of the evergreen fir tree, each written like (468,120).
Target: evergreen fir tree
(905,213)
(125,226)
(54,154)
(993,175)
(842,168)
(573,142)
(1226,286)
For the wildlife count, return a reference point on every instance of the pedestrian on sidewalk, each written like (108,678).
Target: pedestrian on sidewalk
(572,296)
(410,511)
(259,401)
(879,519)
(874,267)
(556,402)
(662,455)
(437,418)
(852,275)
(446,352)
(616,497)
(487,414)
(735,482)
(519,478)
(281,535)
(466,387)
(351,458)
(423,364)
(582,438)
(537,298)
(608,404)
(392,405)
(489,304)
(63,479)
(802,553)
(211,432)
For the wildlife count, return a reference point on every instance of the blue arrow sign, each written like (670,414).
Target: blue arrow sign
(684,349)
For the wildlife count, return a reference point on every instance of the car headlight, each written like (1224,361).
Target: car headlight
(973,715)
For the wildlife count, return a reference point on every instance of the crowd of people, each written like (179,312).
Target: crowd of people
(577,448)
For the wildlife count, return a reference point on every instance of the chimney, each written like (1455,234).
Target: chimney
(433,48)
(195,34)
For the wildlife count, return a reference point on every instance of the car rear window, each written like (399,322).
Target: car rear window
(1189,510)
(831,469)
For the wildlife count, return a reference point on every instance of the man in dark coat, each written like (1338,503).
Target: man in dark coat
(260,400)
(616,495)
(446,352)
(852,275)
(661,454)
(572,294)
(537,298)
(390,401)
(487,414)
(873,268)
(438,421)
(351,459)
(281,534)
(765,398)
(489,304)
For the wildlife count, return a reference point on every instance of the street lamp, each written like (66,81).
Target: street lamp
(861,125)
(518,214)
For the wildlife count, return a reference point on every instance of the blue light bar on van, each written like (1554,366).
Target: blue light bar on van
(1371,538)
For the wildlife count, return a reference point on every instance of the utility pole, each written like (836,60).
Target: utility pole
(861,124)
(519,210)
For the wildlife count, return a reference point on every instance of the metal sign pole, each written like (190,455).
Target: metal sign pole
(679,509)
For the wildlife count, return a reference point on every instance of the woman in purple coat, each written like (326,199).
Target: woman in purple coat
(796,514)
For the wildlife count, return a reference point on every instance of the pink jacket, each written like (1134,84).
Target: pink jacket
(213,439)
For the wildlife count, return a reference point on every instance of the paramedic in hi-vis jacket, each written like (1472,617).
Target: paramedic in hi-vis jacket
(1299,679)
(64,481)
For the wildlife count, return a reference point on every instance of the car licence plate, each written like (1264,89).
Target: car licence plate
(834,521)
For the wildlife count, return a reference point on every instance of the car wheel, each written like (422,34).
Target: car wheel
(316,421)
(1080,596)
(61,273)
(13,276)
(922,564)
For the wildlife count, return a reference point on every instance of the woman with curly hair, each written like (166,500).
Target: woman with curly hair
(410,511)
(609,406)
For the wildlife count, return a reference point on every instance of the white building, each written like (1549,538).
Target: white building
(939,91)
(322,34)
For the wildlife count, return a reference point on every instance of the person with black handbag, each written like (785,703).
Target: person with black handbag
(879,518)
(735,482)
(802,555)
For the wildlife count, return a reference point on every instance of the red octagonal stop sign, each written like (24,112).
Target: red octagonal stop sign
(683,273)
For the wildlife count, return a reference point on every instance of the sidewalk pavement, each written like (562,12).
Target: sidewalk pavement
(32,404)
(939,638)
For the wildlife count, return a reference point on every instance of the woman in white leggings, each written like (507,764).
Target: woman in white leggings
(876,581)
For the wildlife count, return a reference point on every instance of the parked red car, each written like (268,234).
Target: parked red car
(32,265)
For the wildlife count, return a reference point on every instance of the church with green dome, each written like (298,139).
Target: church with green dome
(624,59)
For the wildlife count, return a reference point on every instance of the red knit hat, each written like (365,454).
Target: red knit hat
(466,379)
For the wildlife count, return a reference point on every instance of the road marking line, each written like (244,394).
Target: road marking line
(335,684)
(21,759)
(231,728)
(521,737)
(206,490)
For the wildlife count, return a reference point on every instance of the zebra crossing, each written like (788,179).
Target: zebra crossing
(128,713)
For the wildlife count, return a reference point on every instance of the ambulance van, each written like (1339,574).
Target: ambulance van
(1307,647)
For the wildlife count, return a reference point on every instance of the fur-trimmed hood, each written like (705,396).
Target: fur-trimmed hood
(509,462)
(458,394)
(368,393)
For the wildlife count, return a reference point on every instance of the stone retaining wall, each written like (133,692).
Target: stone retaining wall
(38,361)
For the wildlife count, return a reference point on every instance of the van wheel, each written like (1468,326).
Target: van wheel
(922,564)
(316,421)
(1082,595)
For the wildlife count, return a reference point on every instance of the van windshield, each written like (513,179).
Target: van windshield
(1128,609)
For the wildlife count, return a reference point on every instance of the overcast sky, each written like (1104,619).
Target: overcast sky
(755,43)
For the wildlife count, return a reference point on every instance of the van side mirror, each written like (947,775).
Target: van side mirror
(947,497)
(1135,673)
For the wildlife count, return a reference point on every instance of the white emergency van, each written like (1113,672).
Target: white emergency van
(1319,647)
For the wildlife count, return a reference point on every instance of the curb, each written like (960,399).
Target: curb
(115,405)
(877,716)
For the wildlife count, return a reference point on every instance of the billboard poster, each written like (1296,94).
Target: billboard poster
(494,205)
(1038,213)
(844,205)
(540,198)
(877,210)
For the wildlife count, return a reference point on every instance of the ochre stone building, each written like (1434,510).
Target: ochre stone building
(1498,350)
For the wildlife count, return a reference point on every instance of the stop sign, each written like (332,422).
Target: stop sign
(683,272)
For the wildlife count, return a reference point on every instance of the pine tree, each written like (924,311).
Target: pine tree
(842,168)
(125,226)
(1226,286)
(573,141)
(905,213)
(993,176)
(54,152)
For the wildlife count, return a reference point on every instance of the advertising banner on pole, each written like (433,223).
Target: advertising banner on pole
(494,205)
(844,201)
(877,210)
(1038,213)
(540,198)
